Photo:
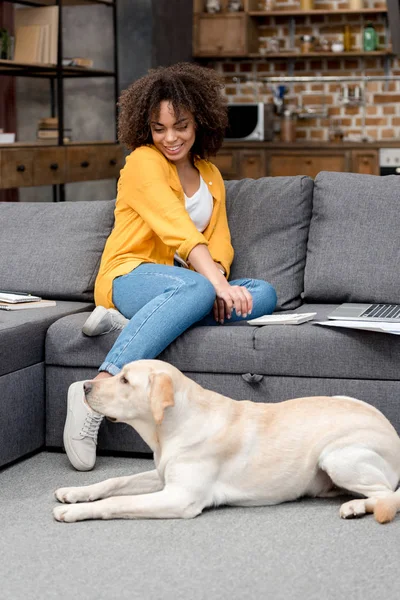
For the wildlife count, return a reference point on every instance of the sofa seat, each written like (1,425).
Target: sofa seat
(306,350)
(22,377)
(26,330)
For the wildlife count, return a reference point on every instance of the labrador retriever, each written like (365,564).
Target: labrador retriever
(210,450)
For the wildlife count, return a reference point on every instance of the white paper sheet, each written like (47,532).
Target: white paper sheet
(393,328)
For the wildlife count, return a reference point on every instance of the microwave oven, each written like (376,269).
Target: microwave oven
(250,121)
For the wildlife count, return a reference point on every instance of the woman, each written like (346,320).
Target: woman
(170,212)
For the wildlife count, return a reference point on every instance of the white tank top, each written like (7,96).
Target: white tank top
(199,207)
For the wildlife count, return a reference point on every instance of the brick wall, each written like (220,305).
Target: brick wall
(382,99)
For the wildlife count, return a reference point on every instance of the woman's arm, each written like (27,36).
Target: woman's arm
(229,297)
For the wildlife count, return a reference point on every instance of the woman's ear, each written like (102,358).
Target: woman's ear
(161,394)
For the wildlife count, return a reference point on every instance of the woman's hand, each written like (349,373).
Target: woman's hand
(229,298)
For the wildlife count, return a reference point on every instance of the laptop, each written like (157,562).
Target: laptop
(387,313)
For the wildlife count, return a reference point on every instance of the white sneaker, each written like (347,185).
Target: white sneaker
(103,320)
(80,430)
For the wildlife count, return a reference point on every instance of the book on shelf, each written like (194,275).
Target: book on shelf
(36,35)
(48,130)
(51,134)
(48,123)
(78,62)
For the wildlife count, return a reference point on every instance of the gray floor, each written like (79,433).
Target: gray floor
(296,551)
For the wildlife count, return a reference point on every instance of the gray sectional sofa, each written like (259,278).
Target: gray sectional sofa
(319,243)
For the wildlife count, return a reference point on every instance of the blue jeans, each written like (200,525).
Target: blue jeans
(162,302)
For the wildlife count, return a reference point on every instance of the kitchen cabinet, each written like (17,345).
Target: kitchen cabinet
(221,35)
(239,164)
(307,163)
(365,161)
(238,160)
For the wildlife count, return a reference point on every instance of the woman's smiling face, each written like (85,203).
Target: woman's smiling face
(173,135)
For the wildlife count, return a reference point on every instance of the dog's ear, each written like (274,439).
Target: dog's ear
(161,394)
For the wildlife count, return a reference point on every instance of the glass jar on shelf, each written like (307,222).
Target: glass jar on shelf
(266,5)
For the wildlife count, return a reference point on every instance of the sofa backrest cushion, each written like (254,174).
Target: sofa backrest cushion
(269,220)
(354,243)
(53,250)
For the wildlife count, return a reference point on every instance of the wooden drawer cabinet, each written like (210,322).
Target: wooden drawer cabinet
(52,165)
(227,163)
(16,167)
(81,163)
(220,35)
(48,166)
(239,164)
(365,161)
(306,163)
(110,161)
(252,164)
(85,163)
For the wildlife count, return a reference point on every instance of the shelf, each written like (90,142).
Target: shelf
(305,13)
(54,144)
(10,67)
(301,55)
(63,2)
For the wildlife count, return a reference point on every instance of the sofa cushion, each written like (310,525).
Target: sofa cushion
(269,220)
(23,332)
(311,350)
(306,350)
(353,248)
(53,250)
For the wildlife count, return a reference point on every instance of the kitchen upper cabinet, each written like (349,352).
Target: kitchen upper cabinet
(221,35)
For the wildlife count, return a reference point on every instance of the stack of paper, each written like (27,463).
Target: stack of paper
(36,35)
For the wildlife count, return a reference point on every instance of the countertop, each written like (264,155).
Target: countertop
(317,145)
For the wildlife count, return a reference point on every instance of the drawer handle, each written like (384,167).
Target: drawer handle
(85,164)
(309,161)
(21,168)
(251,161)
(54,166)
(252,377)
(113,162)
(365,161)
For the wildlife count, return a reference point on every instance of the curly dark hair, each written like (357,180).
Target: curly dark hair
(187,86)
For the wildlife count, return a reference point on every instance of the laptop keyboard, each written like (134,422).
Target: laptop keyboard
(382,311)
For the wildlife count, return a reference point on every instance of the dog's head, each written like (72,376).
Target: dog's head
(138,392)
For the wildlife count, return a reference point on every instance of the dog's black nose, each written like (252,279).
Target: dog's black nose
(87,386)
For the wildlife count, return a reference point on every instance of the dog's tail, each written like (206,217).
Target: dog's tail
(386,508)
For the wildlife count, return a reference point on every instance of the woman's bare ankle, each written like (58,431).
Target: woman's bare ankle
(102,375)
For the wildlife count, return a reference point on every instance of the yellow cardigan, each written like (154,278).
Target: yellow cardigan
(152,223)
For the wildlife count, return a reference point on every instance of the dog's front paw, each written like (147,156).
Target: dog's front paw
(71,495)
(70,513)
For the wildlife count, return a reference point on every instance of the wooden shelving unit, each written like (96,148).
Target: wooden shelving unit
(56,163)
(308,13)
(302,55)
(235,34)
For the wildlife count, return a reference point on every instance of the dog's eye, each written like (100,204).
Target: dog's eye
(124,379)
